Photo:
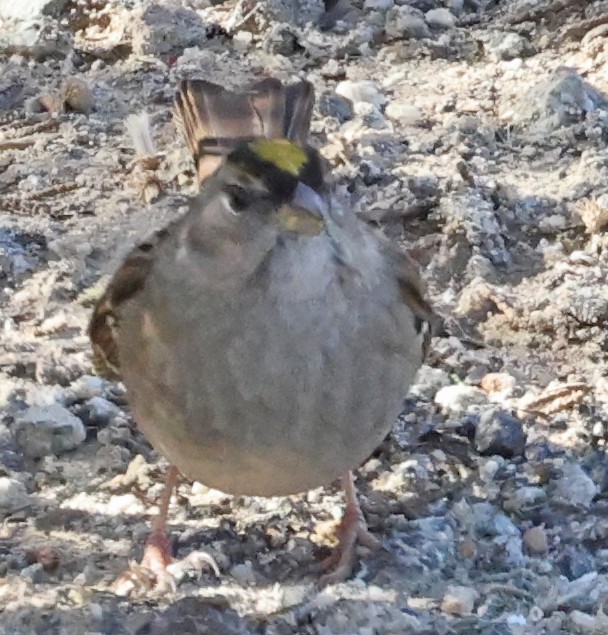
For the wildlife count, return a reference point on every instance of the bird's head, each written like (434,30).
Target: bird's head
(278,179)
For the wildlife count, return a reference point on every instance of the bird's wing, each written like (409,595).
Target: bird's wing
(413,293)
(126,282)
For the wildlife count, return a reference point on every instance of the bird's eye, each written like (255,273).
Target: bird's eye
(238,197)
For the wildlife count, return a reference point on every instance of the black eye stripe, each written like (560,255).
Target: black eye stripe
(238,196)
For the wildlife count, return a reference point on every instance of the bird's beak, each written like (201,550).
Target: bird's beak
(305,213)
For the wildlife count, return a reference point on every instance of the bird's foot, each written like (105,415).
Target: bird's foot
(158,571)
(352,531)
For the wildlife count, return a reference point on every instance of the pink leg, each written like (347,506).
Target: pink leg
(352,531)
(153,572)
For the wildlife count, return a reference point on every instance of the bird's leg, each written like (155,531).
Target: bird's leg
(157,568)
(352,531)
(157,553)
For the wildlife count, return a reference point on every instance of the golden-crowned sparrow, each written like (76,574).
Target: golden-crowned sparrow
(267,338)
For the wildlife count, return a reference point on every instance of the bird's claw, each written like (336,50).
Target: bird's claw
(352,531)
(159,574)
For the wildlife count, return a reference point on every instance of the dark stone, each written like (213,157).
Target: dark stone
(575,562)
(499,432)
(194,616)
(341,108)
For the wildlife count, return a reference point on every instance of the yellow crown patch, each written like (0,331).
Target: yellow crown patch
(287,156)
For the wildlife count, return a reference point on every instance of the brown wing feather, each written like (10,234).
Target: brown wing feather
(413,292)
(127,281)
(213,119)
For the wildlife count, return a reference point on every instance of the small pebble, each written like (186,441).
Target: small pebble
(243,574)
(13,495)
(361,92)
(459,397)
(44,430)
(459,600)
(378,5)
(536,541)
(441,18)
(575,487)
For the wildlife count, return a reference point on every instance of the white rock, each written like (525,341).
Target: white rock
(8,388)
(517,619)
(524,497)
(87,387)
(125,504)
(370,114)
(429,380)
(459,397)
(13,495)
(28,9)
(575,487)
(459,600)
(44,430)
(406,114)
(592,624)
(455,6)
(441,18)
(364,91)
(378,5)
(552,223)
(102,409)
(405,21)
(507,46)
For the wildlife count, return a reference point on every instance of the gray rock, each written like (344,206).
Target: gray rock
(455,6)
(508,46)
(299,12)
(13,494)
(281,40)
(101,411)
(44,430)
(336,106)
(38,38)
(11,93)
(192,616)
(87,387)
(472,214)
(459,600)
(30,9)
(575,562)
(15,260)
(498,432)
(524,497)
(485,520)
(371,115)
(243,573)
(378,5)
(35,573)
(441,18)
(159,30)
(406,22)
(429,380)
(575,487)
(561,100)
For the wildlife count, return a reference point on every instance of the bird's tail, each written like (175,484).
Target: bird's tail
(213,119)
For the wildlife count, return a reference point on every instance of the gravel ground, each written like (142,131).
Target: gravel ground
(475,133)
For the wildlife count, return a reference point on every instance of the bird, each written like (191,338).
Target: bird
(268,336)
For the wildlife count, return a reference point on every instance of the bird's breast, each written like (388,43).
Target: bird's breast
(278,387)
